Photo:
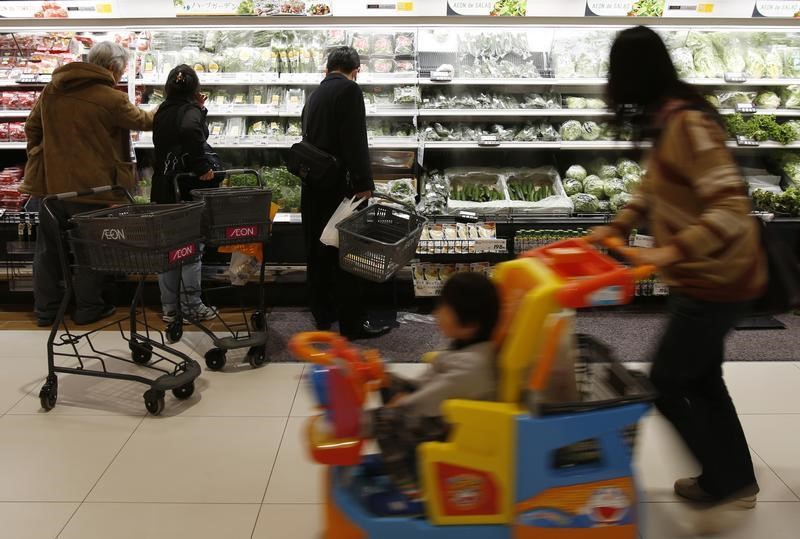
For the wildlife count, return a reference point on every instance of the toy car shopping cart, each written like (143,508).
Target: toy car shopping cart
(136,240)
(528,466)
(232,216)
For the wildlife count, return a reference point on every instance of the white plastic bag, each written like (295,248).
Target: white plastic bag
(330,236)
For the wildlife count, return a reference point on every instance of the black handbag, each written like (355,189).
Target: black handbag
(783,286)
(176,160)
(315,168)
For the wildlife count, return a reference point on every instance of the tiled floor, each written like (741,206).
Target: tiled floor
(230,461)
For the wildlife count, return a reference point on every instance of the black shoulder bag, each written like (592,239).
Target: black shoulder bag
(783,281)
(175,161)
(316,168)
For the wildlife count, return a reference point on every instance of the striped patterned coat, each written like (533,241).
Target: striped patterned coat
(694,197)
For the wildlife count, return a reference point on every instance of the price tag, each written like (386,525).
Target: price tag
(736,77)
(441,76)
(746,108)
(484,245)
(489,140)
(660,289)
(640,240)
(742,140)
(295,218)
(467,216)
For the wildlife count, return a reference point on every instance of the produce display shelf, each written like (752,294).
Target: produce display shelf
(512,113)
(584,145)
(402,144)
(590,82)
(14,113)
(299,79)
(13,145)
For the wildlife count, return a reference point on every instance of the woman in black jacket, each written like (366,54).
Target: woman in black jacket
(180,135)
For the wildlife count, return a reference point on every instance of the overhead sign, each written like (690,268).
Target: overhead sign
(74,9)
(777,8)
(491,8)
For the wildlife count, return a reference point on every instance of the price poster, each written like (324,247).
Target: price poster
(492,8)
(76,9)
(625,8)
(777,8)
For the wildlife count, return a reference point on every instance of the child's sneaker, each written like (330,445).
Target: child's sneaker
(169,316)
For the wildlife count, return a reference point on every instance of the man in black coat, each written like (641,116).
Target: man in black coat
(335,121)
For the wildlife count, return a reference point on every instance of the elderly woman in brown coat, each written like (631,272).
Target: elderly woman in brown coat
(78,138)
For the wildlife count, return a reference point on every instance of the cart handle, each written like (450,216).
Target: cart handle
(223,173)
(85,193)
(629,253)
(304,346)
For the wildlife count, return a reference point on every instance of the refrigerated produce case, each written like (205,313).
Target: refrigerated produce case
(503,118)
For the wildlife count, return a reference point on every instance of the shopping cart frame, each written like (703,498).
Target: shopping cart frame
(176,375)
(252,335)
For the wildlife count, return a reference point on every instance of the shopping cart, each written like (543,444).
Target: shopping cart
(376,242)
(130,239)
(232,215)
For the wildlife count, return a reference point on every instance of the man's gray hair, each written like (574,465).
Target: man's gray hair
(109,55)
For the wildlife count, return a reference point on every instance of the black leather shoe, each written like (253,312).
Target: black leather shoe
(44,322)
(368,331)
(107,311)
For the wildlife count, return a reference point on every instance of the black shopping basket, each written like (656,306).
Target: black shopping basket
(137,239)
(235,214)
(376,242)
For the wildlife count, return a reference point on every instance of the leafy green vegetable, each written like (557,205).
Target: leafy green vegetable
(769,100)
(509,8)
(575,102)
(594,186)
(613,187)
(246,8)
(787,202)
(627,166)
(571,130)
(576,172)
(585,203)
(607,172)
(631,182)
(647,8)
(791,97)
(590,131)
(761,127)
(573,186)
(619,201)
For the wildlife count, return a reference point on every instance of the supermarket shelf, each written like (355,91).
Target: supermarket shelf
(783,113)
(14,113)
(502,113)
(769,145)
(590,82)
(13,145)
(285,79)
(383,143)
(576,145)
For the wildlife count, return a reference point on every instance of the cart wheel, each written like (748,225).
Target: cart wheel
(48,396)
(141,352)
(174,332)
(215,359)
(257,356)
(154,401)
(258,321)
(184,392)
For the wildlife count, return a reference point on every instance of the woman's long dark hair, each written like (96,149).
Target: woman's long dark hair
(642,78)
(182,83)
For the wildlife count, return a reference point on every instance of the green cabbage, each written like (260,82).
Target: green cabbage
(590,131)
(708,64)
(684,62)
(769,100)
(613,187)
(585,203)
(595,103)
(773,61)
(593,185)
(575,102)
(607,172)
(571,130)
(576,172)
(619,201)
(791,97)
(755,66)
(604,206)
(573,186)
(631,182)
(627,166)
(791,62)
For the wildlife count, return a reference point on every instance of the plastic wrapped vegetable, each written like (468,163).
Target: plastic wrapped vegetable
(708,64)
(595,103)
(755,66)
(791,167)
(585,203)
(791,97)
(768,100)
(606,172)
(573,186)
(590,131)
(773,64)
(383,44)
(576,172)
(729,100)
(593,185)
(571,130)
(627,166)
(631,182)
(730,49)
(714,100)
(575,102)
(404,43)
(604,206)
(791,62)
(684,62)
(619,201)
(612,187)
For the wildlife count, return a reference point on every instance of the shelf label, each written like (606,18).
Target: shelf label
(736,77)
(497,246)
(489,140)
(441,76)
(640,240)
(745,141)
(660,289)
(746,108)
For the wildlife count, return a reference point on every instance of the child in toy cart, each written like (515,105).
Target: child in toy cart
(467,314)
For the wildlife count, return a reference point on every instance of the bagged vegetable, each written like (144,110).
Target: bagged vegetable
(684,62)
(573,186)
(575,102)
(576,172)
(404,43)
(593,185)
(773,64)
(627,166)
(768,100)
(613,187)
(755,66)
(791,62)
(571,130)
(585,203)
(791,97)
(595,103)
(604,206)
(619,201)
(631,182)
(729,100)
(590,131)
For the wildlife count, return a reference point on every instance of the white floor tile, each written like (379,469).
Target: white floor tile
(776,439)
(194,460)
(290,521)
(157,521)
(34,520)
(768,520)
(50,458)
(24,344)
(296,479)
(764,387)
(267,391)
(20,376)
(661,458)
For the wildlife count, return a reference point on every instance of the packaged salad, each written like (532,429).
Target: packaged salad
(404,43)
(383,44)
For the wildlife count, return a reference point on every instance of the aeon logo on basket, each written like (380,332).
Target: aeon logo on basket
(112,234)
(182,253)
(250,231)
